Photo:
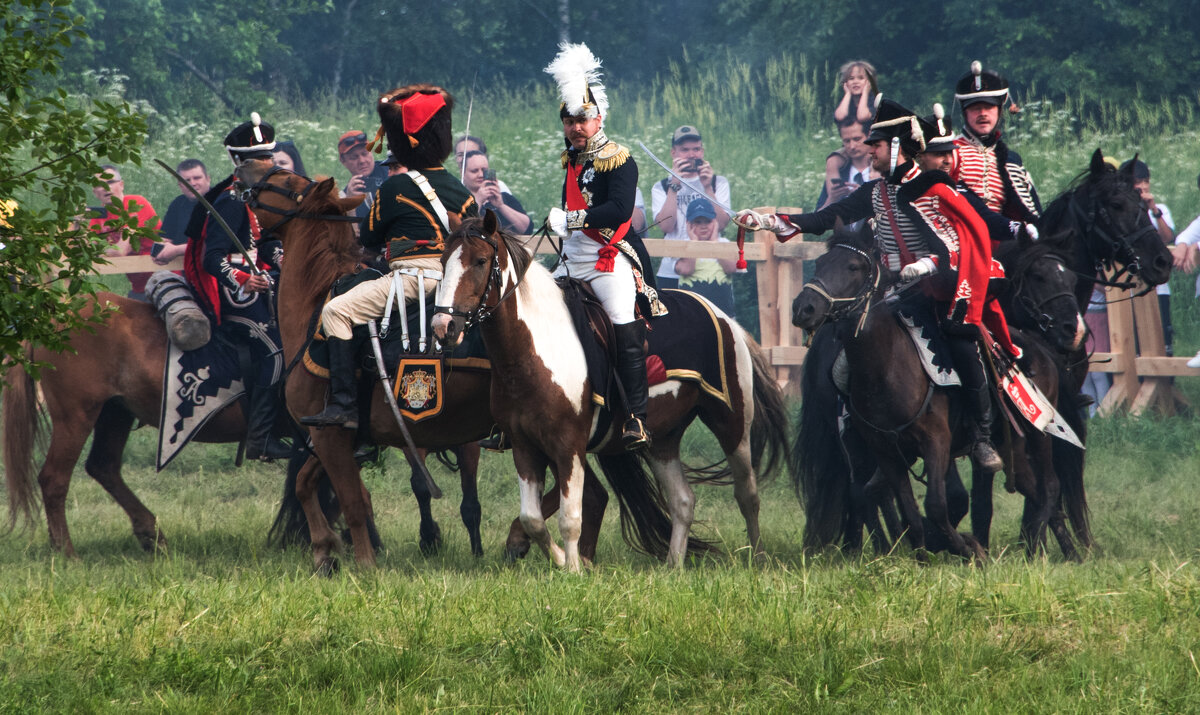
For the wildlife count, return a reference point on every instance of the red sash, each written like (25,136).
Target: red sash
(576,202)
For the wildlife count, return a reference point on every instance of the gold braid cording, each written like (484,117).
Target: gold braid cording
(610,157)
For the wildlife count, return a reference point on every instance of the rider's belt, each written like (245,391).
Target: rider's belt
(403,248)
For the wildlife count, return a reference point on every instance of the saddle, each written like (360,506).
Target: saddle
(684,344)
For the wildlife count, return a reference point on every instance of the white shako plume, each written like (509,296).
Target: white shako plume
(577,73)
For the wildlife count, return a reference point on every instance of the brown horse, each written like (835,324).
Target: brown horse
(319,251)
(542,396)
(110,378)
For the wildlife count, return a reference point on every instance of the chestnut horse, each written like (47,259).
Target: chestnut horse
(109,378)
(541,395)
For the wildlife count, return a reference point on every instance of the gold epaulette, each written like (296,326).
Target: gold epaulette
(565,158)
(611,156)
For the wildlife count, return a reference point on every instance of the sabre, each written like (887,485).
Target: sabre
(220,221)
(462,167)
(680,178)
(411,453)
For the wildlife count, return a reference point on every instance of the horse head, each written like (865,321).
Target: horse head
(1106,209)
(481,267)
(1042,296)
(278,196)
(845,278)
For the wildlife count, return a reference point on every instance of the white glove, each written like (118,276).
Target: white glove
(917,269)
(752,219)
(557,221)
(1031,231)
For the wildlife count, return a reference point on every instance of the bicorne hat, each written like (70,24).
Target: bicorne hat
(254,139)
(895,121)
(979,85)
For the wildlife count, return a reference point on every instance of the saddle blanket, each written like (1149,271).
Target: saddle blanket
(197,384)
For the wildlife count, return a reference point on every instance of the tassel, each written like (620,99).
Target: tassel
(376,144)
(741,264)
(608,259)
(412,141)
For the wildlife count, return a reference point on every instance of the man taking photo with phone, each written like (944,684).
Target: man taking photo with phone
(670,197)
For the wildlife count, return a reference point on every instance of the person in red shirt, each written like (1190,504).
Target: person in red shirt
(112,191)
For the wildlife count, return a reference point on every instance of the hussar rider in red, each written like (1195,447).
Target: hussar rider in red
(928,232)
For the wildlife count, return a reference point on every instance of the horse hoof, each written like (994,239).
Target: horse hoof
(328,567)
(153,542)
(431,541)
(513,553)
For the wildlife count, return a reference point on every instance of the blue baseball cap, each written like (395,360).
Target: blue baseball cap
(701,208)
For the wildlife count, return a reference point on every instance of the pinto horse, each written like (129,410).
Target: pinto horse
(542,396)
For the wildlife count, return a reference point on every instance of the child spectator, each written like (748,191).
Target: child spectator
(859,93)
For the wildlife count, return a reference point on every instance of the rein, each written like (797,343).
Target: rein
(249,196)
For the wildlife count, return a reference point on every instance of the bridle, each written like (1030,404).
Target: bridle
(482,312)
(249,196)
(1110,252)
(840,308)
(1036,309)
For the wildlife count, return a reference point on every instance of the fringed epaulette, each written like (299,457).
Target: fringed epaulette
(611,156)
(565,158)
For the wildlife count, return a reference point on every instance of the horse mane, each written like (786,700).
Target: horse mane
(862,238)
(1054,220)
(329,249)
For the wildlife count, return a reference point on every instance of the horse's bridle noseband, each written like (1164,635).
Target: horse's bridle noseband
(842,307)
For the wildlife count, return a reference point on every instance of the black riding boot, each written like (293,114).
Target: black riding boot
(497,441)
(342,408)
(979,406)
(631,370)
(264,408)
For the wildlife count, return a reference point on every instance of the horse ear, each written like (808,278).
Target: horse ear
(490,223)
(1098,166)
(1129,165)
(347,204)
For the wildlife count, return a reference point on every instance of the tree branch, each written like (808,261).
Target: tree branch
(209,82)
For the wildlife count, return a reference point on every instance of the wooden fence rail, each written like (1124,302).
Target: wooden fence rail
(1141,381)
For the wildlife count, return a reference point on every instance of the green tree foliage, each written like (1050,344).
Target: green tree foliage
(51,144)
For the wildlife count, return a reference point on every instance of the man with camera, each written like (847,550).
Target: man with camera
(480,180)
(365,175)
(670,197)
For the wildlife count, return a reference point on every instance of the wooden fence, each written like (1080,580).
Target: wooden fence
(1141,381)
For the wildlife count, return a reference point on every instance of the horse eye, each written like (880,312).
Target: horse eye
(480,261)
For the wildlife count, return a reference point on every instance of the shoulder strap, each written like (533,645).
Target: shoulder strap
(432,197)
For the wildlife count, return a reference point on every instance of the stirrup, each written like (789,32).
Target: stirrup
(332,416)
(497,441)
(634,436)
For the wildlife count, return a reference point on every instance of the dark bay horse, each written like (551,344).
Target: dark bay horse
(1095,224)
(542,396)
(896,410)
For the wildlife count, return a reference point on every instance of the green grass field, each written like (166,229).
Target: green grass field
(223,623)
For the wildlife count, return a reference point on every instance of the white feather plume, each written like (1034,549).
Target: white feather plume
(575,69)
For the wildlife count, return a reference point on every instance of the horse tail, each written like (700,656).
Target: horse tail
(290,527)
(820,472)
(645,524)
(1069,463)
(22,432)
(769,430)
